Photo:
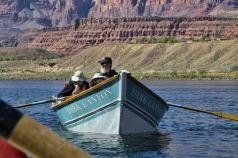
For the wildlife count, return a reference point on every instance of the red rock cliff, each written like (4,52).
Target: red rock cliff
(88,32)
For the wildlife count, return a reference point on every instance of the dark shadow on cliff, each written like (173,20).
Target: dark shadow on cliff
(141,7)
(88,5)
(134,2)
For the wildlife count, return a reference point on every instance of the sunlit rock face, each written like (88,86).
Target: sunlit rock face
(114,8)
(87,32)
(26,14)
(18,16)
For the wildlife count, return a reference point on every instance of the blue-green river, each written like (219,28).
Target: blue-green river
(181,133)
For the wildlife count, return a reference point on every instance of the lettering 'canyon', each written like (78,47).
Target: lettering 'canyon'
(84,103)
(90,101)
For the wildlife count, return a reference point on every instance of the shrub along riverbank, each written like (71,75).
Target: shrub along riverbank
(233,75)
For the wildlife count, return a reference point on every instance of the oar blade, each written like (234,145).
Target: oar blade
(226,116)
(218,114)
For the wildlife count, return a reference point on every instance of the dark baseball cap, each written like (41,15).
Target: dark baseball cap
(105,60)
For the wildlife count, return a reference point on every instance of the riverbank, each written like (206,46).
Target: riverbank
(140,76)
(210,60)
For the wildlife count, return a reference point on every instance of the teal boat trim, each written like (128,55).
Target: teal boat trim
(144,113)
(129,106)
(92,116)
(89,114)
(149,91)
(141,114)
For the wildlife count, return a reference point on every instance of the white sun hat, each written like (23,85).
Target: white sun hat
(96,75)
(78,76)
(99,75)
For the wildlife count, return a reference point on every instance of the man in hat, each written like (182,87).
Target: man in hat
(76,85)
(106,65)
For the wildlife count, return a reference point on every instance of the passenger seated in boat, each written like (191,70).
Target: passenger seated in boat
(106,65)
(97,78)
(76,85)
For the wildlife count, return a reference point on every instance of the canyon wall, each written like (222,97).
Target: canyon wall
(101,31)
(115,8)
(28,14)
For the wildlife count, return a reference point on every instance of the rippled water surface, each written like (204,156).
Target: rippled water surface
(181,133)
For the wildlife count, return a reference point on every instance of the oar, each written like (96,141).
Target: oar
(218,114)
(33,138)
(42,102)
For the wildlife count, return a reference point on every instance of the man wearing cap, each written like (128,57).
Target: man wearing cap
(106,65)
(76,85)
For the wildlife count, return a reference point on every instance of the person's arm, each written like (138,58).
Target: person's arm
(87,84)
(76,90)
(68,89)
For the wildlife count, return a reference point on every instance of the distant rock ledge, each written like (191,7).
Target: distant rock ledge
(87,32)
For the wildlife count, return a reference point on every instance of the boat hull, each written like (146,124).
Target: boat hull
(120,105)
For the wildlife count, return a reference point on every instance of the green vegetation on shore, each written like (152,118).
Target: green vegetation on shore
(169,39)
(233,75)
(65,75)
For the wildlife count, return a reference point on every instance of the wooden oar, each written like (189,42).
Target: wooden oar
(33,138)
(218,114)
(42,102)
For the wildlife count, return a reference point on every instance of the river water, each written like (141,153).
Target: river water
(181,133)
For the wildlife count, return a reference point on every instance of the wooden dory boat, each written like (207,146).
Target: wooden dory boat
(119,105)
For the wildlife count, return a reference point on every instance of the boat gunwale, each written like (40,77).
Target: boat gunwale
(73,97)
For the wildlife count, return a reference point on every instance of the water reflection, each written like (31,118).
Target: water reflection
(132,145)
(139,144)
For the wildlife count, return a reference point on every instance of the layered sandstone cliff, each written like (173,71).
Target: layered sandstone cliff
(101,31)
